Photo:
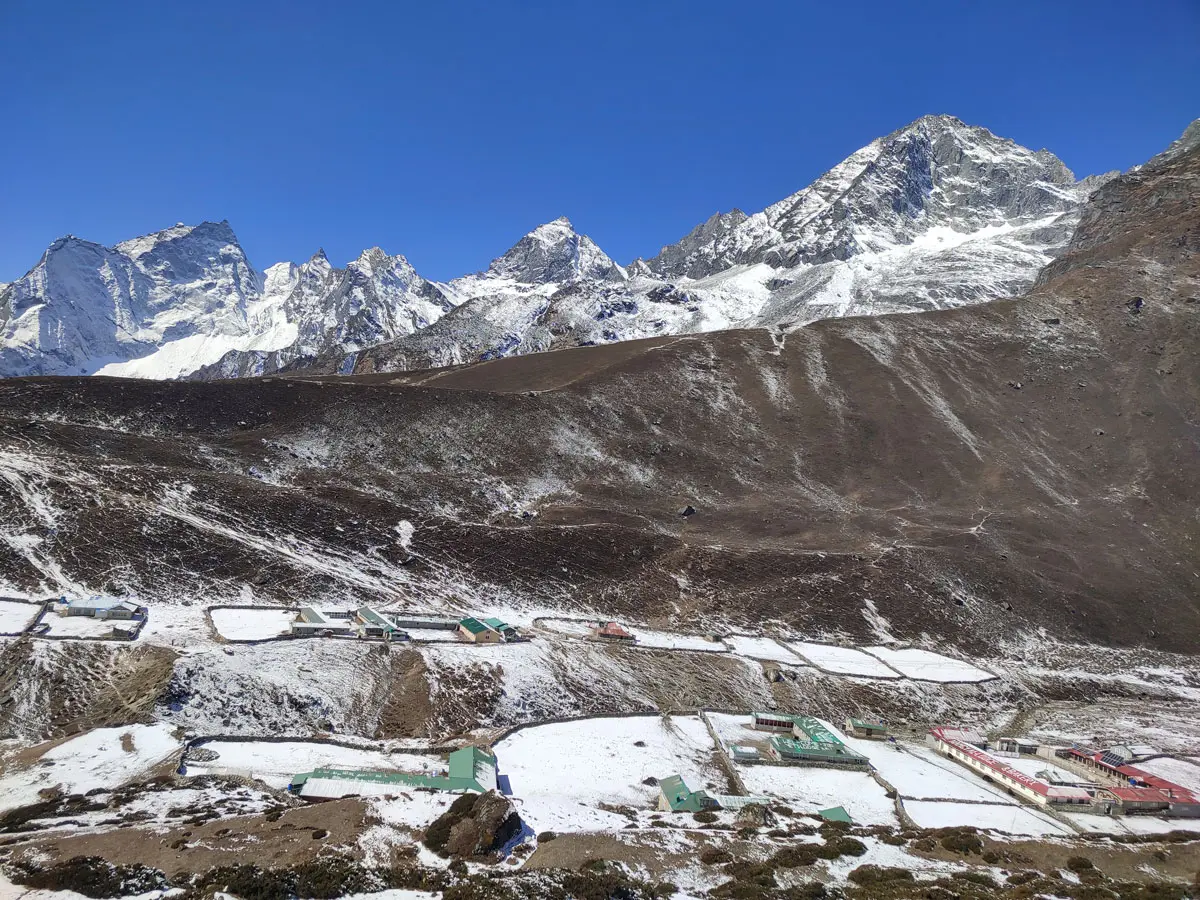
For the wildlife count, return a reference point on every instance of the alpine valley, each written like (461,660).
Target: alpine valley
(750,589)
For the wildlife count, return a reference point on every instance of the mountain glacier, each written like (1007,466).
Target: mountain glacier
(937,214)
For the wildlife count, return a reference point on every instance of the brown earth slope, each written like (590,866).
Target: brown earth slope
(970,474)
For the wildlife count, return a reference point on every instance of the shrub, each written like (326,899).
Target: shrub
(92,877)
(964,842)
(330,877)
(843,846)
(870,874)
(797,855)
(546,837)
(980,878)
(705,815)
(1080,864)
(713,856)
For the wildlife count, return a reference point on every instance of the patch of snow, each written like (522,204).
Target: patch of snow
(15,617)
(1006,819)
(252,624)
(842,660)
(762,648)
(96,759)
(561,773)
(668,640)
(924,665)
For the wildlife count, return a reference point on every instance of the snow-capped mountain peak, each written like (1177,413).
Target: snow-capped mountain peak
(935,214)
(553,253)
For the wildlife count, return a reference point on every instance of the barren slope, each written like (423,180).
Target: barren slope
(970,474)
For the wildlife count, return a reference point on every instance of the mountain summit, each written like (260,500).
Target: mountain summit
(555,252)
(936,214)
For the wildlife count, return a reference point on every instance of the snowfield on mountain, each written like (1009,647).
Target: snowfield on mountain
(935,215)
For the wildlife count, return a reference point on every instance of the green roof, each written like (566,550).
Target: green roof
(472,768)
(498,624)
(680,797)
(375,776)
(873,726)
(835,814)
(816,731)
(473,625)
(824,751)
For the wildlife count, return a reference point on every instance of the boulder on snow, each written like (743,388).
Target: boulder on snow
(474,826)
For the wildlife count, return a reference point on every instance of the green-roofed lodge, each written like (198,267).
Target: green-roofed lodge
(862,728)
(469,769)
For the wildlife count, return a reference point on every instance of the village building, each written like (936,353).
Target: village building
(947,742)
(508,632)
(311,622)
(372,623)
(744,753)
(1015,747)
(613,631)
(811,743)
(424,623)
(469,769)
(771,721)
(861,728)
(1130,790)
(104,608)
(478,632)
(835,814)
(675,796)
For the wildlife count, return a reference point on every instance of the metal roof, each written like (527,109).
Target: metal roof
(95,602)
(373,617)
(872,726)
(835,814)
(475,626)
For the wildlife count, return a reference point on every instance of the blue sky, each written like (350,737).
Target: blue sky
(447,130)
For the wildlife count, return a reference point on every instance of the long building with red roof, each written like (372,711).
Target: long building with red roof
(1134,790)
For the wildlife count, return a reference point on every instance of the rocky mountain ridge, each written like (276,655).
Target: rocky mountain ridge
(935,215)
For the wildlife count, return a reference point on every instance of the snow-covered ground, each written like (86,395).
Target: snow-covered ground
(762,648)
(925,665)
(1008,819)
(670,641)
(1129,824)
(103,758)
(252,624)
(842,660)
(16,616)
(806,788)
(561,773)
(921,774)
(432,634)
(809,788)
(274,763)
(572,627)
(79,626)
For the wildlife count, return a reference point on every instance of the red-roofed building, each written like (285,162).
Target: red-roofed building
(614,632)
(949,742)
